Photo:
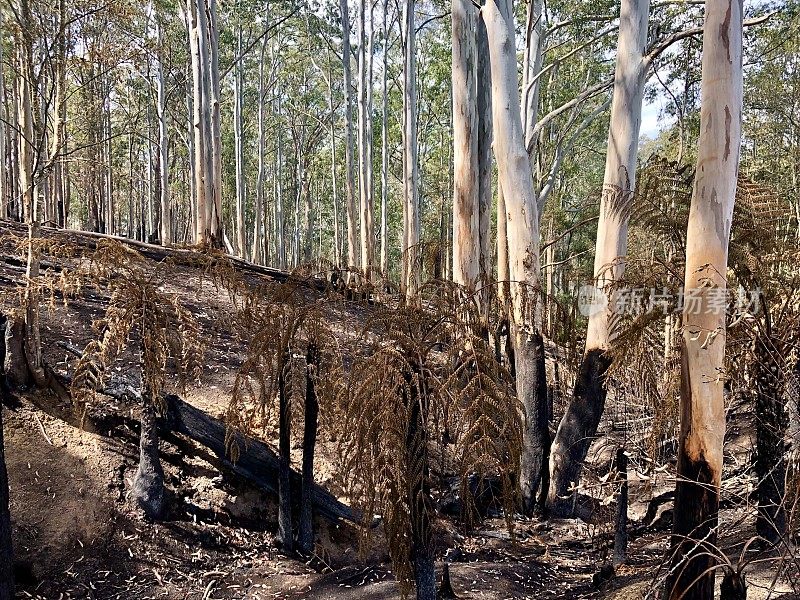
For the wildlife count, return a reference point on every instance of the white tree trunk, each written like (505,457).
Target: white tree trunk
(353,256)
(522,225)
(411,226)
(579,424)
(216,126)
(238,126)
(259,213)
(702,411)
(163,142)
(466,223)
(385,146)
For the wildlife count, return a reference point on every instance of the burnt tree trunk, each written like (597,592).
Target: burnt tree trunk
(420,494)
(576,431)
(530,361)
(15,365)
(621,522)
(771,425)
(305,535)
(148,484)
(284,539)
(6,549)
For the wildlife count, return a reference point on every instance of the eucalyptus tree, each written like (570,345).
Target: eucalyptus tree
(702,429)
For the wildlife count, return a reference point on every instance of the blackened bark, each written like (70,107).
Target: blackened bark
(148,483)
(577,430)
(420,494)
(733,587)
(531,376)
(15,365)
(6,549)
(621,522)
(305,535)
(771,425)
(694,530)
(446,589)
(284,538)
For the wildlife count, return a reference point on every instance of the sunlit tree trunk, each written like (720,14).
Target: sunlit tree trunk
(522,227)
(702,411)
(582,416)
(163,143)
(199,123)
(353,256)
(280,231)
(216,126)
(411,225)
(466,224)
(484,122)
(385,146)
(259,214)
(365,51)
(238,126)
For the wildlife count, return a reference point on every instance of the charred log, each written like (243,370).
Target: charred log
(305,535)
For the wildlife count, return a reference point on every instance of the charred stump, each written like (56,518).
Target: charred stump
(148,483)
(305,535)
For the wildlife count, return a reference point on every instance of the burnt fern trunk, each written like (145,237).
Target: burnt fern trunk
(284,539)
(305,535)
(148,483)
(420,500)
(771,425)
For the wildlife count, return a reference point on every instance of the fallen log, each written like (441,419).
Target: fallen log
(184,256)
(257,463)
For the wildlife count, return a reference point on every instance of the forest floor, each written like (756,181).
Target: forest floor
(77,536)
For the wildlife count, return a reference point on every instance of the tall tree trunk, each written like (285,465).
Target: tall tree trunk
(216,126)
(582,416)
(163,143)
(280,232)
(365,51)
(31,205)
(259,214)
(305,535)
(198,124)
(522,224)
(238,126)
(484,110)
(385,146)
(411,226)
(353,257)
(702,407)
(466,224)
